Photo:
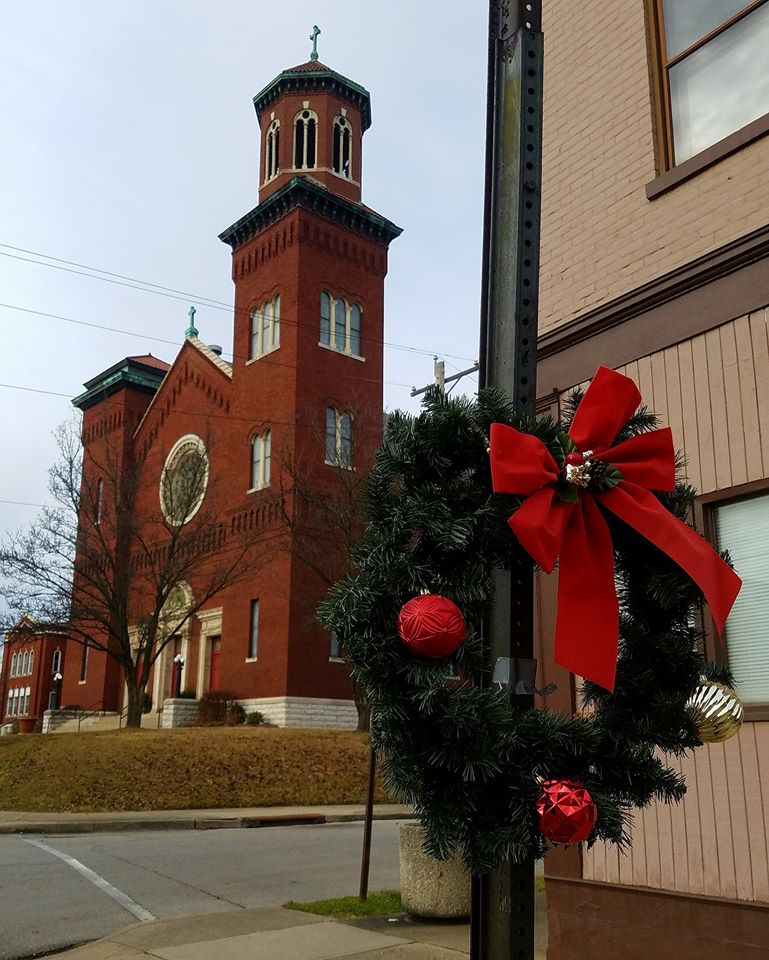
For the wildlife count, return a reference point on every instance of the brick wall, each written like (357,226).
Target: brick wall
(601,237)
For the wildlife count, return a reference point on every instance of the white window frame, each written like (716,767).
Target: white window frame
(188,440)
(339,460)
(340,126)
(14,662)
(328,338)
(741,644)
(300,120)
(56,661)
(261,455)
(265,328)
(31,665)
(253,631)
(9,704)
(272,151)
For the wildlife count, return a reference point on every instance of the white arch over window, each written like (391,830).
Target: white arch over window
(305,139)
(272,151)
(341,159)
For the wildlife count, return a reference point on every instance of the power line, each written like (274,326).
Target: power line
(205,415)
(175,343)
(23,503)
(169,292)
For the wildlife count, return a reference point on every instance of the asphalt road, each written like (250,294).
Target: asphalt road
(47,903)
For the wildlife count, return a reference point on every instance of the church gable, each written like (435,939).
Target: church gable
(199,384)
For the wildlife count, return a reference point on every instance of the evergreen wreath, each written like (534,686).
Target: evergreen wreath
(450,744)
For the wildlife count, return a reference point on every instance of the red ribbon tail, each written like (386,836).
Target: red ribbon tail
(587,624)
(643,512)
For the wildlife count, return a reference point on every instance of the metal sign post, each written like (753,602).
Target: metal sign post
(502,925)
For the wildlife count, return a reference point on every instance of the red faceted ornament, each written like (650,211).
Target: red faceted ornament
(566,811)
(431,626)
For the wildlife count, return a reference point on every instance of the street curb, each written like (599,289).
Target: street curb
(204,823)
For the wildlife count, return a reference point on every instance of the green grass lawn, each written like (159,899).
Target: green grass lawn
(380,904)
(183,769)
(383,903)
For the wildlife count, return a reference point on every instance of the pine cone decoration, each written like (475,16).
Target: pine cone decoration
(597,474)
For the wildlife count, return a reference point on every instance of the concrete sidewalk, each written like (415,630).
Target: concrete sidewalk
(15,822)
(277,934)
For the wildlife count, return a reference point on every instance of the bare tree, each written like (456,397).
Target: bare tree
(326,521)
(111,559)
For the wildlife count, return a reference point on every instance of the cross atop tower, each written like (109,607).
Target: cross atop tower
(314,37)
(192,330)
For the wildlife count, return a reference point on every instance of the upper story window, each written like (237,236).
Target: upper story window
(305,136)
(261,449)
(56,661)
(342,147)
(338,438)
(253,633)
(265,328)
(99,501)
(340,324)
(742,528)
(272,151)
(714,79)
(14,663)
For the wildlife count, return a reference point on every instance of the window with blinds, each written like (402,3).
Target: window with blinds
(742,528)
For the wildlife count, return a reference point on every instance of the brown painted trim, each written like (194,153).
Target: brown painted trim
(589,920)
(726,283)
(603,885)
(704,521)
(708,157)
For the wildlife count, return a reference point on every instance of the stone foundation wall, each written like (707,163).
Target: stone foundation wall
(305,712)
(180,712)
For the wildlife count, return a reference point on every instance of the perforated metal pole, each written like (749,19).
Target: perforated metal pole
(502,925)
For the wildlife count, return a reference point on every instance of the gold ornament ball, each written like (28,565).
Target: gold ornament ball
(716,711)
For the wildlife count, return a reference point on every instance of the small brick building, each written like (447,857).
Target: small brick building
(304,389)
(33,657)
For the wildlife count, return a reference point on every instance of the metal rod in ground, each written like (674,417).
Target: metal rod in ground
(502,922)
(365,865)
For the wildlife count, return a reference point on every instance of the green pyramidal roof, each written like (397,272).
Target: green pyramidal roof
(315,75)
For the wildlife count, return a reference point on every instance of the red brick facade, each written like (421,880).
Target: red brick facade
(31,659)
(309,235)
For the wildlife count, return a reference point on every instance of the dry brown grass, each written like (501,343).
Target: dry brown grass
(183,769)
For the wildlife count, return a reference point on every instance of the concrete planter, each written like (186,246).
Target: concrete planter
(433,889)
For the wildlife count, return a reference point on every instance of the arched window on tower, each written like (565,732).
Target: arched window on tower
(14,662)
(338,438)
(340,324)
(261,449)
(272,151)
(99,501)
(305,136)
(342,147)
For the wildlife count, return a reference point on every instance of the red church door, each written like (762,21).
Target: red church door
(216,653)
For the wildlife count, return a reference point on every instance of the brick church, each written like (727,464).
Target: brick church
(301,400)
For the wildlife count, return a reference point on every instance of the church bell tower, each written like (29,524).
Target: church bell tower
(309,264)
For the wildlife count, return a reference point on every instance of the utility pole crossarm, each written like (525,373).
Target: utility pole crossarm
(444,380)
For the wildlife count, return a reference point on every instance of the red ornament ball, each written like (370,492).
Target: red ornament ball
(574,459)
(566,811)
(431,626)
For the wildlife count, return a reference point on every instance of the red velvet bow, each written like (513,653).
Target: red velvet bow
(587,624)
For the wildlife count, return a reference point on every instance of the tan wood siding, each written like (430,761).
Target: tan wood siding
(713,391)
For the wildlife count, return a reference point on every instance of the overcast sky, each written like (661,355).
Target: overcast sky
(128,142)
